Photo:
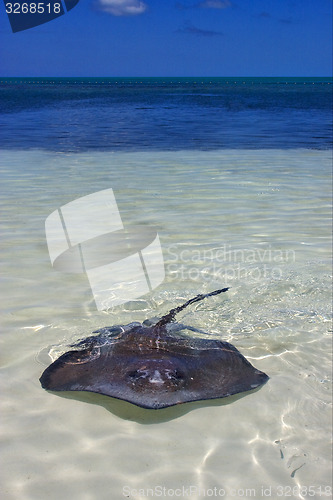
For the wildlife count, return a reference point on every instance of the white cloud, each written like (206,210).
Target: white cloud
(122,7)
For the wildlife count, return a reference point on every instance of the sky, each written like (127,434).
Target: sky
(174,38)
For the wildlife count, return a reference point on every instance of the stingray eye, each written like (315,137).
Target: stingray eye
(174,375)
(80,357)
(137,374)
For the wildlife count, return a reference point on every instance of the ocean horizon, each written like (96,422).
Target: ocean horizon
(165,113)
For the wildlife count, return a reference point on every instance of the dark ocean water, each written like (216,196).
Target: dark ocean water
(133,114)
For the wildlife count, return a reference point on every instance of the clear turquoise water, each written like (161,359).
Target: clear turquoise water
(257,221)
(237,180)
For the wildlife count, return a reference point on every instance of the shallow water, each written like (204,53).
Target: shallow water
(256,221)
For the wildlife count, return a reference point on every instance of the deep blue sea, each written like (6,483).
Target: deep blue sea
(138,114)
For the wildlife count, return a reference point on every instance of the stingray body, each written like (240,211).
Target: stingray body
(153,366)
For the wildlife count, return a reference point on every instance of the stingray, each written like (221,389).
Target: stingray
(154,365)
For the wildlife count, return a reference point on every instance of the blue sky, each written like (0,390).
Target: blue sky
(175,38)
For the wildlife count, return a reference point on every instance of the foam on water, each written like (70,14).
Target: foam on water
(257,221)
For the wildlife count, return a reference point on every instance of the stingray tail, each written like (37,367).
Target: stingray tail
(171,315)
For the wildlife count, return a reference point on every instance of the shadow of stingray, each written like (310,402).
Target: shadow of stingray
(129,411)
